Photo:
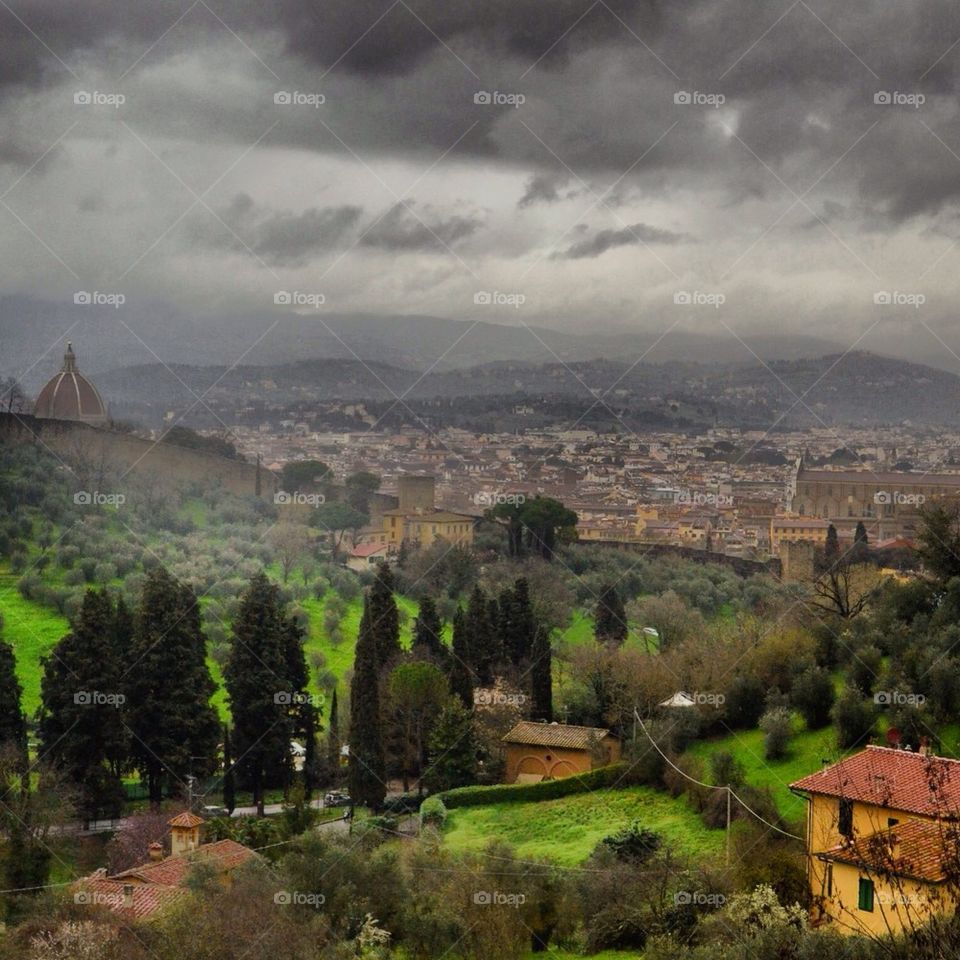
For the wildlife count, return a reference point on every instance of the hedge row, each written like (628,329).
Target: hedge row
(532,792)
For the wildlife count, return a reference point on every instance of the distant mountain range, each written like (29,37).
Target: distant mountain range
(33,333)
(856,389)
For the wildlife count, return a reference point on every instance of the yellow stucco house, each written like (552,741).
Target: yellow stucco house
(883,840)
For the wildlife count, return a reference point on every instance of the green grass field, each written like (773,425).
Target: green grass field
(567,830)
(807,749)
(31,629)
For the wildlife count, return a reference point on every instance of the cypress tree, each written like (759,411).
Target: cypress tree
(367,763)
(517,623)
(81,723)
(482,637)
(831,548)
(384,618)
(610,618)
(427,632)
(229,776)
(173,724)
(333,737)
(13,725)
(262,692)
(541,680)
(461,673)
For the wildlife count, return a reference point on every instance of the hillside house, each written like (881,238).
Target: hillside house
(547,751)
(882,840)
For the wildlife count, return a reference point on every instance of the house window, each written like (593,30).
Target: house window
(892,821)
(865,897)
(845,818)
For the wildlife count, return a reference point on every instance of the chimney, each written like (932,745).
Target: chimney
(156,851)
(128,896)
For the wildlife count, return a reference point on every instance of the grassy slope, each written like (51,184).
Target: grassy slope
(807,749)
(31,629)
(567,830)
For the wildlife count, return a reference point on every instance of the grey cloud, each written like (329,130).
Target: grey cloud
(403,229)
(604,240)
(543,188)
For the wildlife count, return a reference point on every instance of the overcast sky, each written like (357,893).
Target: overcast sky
(800,159)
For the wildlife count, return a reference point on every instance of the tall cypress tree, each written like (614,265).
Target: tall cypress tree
(13,725)
(263,694)
(483,637)
(384,618)
(541,680)
(81,724)
(610,618)
(367,763)
(461,671)
(174,727)
(333,737)
(831,548)
(517,623)
(427,632)
(229,775)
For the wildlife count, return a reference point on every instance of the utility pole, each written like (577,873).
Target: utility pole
(729,791)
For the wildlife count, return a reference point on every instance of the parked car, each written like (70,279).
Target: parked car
(336,798)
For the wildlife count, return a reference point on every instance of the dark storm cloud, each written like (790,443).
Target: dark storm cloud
(604,240)
(543,188)
(277,238)
(407,228)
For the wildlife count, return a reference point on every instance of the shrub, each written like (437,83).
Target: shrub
(744,702)
(813,696)
(854,718)
(433,812)
(633,844)
(777,730)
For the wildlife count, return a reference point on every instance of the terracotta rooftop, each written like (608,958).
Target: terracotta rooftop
(186,819)
(876,477)
(223,855)
(143,900)
(899,779)
(555,735)
(920,849)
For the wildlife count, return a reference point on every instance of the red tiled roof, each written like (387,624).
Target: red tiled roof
(367,549)
(920,849)
(186,819)
(555,735)
(143,900)
(222,855)
(898,779)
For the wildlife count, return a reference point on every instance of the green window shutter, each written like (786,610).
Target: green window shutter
(866,895)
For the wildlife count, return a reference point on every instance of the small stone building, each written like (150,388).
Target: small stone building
(548,751)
